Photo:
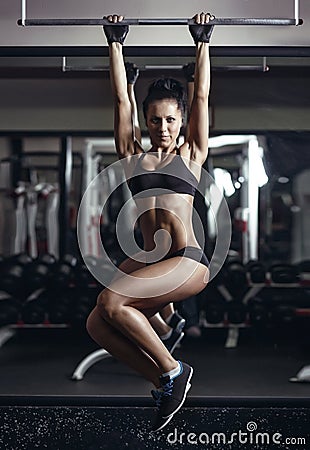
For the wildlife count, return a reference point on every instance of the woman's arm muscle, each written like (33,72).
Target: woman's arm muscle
(123,126)
(199,114)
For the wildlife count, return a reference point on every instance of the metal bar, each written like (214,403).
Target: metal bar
(296,12)
(265,67)
(245,68)
(100,22)
(223,68)
(24,12)
(161,67)
(64,64)
(237,68)
(86,69)
(232,68)
(65,176)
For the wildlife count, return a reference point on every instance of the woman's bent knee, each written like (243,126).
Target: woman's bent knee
(98,329)
(108,304)
(92,322)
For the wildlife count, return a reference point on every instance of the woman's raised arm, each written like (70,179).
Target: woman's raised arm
(123,126)
(132,73)
(199,113)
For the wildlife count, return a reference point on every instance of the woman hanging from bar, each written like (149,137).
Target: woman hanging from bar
(163,181)
(167,323)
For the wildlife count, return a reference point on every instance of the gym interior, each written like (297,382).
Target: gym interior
(247,332)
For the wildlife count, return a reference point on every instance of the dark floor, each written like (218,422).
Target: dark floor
(40,362)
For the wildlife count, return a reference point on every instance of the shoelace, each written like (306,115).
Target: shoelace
(166,392)
(167,388)
(157,396)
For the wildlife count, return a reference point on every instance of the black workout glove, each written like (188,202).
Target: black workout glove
(116,33)
(132,72)
(201,33)
(189,70)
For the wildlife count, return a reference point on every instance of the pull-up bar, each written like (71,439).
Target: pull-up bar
(99,22)
(93,22)
(147,67)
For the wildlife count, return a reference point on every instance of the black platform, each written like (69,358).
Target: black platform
(243,390)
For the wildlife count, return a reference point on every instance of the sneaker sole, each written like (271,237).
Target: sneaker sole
(163,424)
(187,388)
(176,343)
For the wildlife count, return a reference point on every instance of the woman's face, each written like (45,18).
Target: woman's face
(164,121)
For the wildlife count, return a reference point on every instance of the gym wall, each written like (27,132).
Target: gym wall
(278,102)
(60,101)
(12,35)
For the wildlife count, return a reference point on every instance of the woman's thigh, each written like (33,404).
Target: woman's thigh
(153,286)
(130,265)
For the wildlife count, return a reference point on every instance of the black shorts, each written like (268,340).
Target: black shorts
(195,253)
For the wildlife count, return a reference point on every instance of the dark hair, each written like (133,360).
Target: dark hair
(166,88)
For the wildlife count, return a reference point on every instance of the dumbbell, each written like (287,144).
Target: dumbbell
(9,309)
(256,271)
(236,312)
(60,306)
(215,312)
(283,273)
(62,274)
(215,305)
(258,312)
(91,260)
(12,276)
(235,276)
(69,259)
(47,259)
(35,275)
(108,269)
(21,258)
(34,310)
(11,279)
(85,301)
(93,273)
(83,277)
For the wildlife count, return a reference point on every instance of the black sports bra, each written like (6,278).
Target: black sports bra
(175,177)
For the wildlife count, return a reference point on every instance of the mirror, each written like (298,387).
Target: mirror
(258,157)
